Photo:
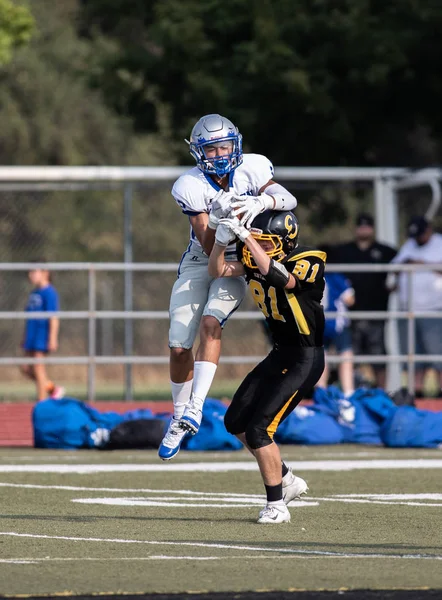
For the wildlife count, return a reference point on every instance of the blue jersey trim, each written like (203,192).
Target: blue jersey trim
(215,186)
(231,174)
(193,213)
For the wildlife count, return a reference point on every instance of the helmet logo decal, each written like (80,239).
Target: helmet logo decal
(292,228)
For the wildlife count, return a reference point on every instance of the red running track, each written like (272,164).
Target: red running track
(16,424)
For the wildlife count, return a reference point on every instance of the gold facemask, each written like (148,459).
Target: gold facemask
(277,253)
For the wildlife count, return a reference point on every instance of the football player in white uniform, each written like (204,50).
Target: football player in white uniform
(225,182)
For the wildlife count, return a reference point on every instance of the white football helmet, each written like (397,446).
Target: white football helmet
(210,130)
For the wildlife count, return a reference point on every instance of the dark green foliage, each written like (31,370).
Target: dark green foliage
(308,82)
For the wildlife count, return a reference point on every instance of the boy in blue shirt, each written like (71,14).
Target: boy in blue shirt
(41,335)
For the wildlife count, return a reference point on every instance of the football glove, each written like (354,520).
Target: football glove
(224,235)
(251,207)
(213,221)
(220,206)
(236,227)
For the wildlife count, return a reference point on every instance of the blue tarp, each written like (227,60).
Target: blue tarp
(70,424)
(409,427)
(369,416)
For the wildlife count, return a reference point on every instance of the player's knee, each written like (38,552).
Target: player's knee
(232,424)
(210,328)
(180,355)
(257,437)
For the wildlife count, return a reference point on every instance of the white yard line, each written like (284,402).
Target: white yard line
(168,503)
(291,551)
(374,501)
(431,496)
(77,488)
(220,467)
(192,499)
(29,561)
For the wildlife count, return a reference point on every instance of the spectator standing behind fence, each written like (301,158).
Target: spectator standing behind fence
(371,291)
(41,335)
(338,296)
(423,247)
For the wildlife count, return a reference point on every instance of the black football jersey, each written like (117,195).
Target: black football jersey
(295,317)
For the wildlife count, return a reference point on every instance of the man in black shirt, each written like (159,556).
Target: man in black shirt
(371,292)
(287,283)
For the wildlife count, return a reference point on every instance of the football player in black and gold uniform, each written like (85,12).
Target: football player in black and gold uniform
(287,283)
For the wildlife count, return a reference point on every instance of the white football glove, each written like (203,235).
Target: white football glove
(220,206)
(236,227)
(224,235)
(251,207)
(213,221)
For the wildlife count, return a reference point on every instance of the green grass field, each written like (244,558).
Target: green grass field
(96,522)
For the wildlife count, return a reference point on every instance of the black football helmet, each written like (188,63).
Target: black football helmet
(280,227)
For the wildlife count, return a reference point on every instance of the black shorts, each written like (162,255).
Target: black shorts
(271,391)
(368,338)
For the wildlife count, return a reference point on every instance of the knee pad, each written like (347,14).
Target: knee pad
(257,438)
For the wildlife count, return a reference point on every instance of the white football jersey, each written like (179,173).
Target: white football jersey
(194,190)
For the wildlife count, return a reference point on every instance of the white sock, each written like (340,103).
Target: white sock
(181,396)
(203,374)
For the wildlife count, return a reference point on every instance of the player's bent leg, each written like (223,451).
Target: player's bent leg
(205,367)
(268,458)
(181,378)
(296,372)
(188,298)
(181,368)
(180,364)
(293,487)
(242,407)
(224,297)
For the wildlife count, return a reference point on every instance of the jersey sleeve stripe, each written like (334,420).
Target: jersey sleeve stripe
(317,253)
(192,213)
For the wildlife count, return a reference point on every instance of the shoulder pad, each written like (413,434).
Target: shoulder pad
(305,252)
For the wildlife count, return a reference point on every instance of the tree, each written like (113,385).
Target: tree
(16,28)
(309,82)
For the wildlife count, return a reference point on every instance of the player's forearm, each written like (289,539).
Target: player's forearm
(217,262)
(207,240)
(262,260)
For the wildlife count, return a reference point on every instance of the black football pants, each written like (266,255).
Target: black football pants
(271,391)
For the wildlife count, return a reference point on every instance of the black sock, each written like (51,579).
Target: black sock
(285,469)
(274,492)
